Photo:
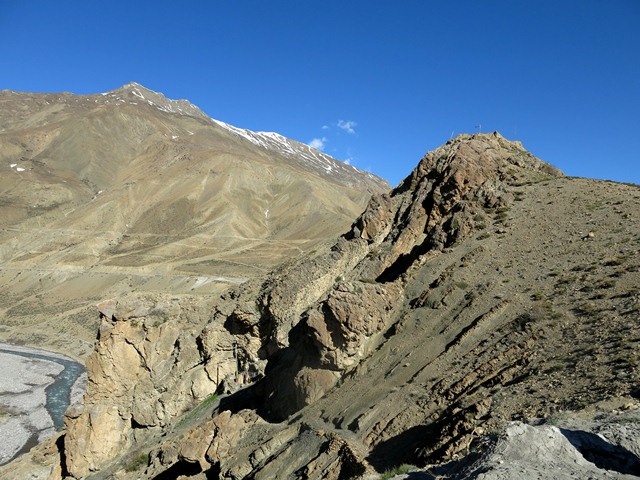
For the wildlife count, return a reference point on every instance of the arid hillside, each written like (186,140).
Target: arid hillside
(129,191)
(486,288)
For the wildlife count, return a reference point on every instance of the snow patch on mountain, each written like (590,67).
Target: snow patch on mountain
(134,91)
(272,141)
(275,142)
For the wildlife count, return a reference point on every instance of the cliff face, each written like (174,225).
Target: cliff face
(487,287)
(436,207)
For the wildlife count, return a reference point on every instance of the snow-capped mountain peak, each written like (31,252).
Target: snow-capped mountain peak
(134,93)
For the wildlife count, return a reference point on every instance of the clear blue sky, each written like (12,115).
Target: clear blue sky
(378,83)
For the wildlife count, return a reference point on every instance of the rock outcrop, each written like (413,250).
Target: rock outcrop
(603,446)
(146,370)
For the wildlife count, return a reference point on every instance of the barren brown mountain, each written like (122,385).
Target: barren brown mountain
(130,191)
(486,288)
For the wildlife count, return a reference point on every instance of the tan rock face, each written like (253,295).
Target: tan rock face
(376,220)
(341,326)
(437,202)
(330,340)
(146,370)
(227,432)
(292,289)
(94,437)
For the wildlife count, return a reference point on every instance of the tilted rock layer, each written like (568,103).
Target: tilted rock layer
(486,288)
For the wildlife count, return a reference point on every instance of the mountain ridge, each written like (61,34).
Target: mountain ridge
(135,94)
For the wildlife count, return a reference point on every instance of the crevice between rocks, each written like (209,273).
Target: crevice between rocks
(603,454)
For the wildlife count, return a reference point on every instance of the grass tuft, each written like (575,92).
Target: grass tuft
(136,462)
(399,470)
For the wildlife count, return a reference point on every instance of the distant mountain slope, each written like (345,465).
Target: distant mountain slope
(131,191)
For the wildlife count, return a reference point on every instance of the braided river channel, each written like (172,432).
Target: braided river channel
(36,388)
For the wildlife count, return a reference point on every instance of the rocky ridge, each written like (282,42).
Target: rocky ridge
(442,315)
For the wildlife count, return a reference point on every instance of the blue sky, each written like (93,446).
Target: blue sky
(377,83)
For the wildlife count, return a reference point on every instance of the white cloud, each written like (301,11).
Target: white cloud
(318,143)
(347,125)
(350,159)
(325,127)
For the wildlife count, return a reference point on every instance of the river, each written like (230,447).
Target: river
(36,388)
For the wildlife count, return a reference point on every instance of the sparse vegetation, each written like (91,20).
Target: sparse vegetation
(189,416)
(586,309)
(583,268)
(500,217)
(5,411)
(566,279)
(606,284)
(399,470)
(136,462)
(592,206)
(614,262)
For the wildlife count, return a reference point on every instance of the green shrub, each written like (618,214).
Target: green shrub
(399,470)
(207,402)
(136,462)
(500,217)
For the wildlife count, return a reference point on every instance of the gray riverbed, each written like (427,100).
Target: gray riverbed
(36,388)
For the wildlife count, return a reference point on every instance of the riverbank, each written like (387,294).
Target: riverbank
(32,397)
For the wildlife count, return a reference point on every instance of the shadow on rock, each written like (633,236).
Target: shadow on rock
(399,449)
(603,454)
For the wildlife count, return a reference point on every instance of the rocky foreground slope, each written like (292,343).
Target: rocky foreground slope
(486,288)
(131,191)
